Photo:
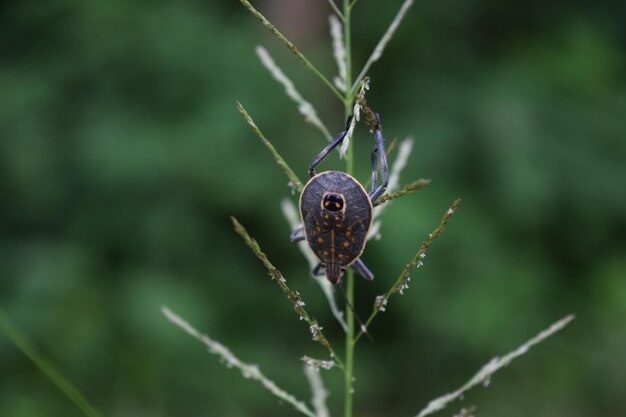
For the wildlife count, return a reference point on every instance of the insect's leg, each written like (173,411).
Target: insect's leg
(332,145)
(382,159)
(374,170)
(359,267)
(318,270)
(294,235)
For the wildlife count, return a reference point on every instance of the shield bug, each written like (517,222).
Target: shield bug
(336,211)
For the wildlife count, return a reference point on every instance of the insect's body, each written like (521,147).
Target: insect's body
(336,213)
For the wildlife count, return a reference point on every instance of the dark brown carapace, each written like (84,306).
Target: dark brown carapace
(336,214)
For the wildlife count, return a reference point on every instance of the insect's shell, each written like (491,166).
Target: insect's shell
(336,236)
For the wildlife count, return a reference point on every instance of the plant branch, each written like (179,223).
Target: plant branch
(249,371)
(402,281)
(378,51)
(294,296)
(335,8)
(347,151)
(483,376)
(414,186)
(294,182)
(291,46)
(61,382)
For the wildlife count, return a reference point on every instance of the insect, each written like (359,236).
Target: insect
(337,212)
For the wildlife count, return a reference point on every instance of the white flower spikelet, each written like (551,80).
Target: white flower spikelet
(404,152)
(466,412)
(315,331)
(304,107)
(374,232)
(380,47)
(336,33)
(318,364)
(318,391)
(495,364)
(250,371)
(356,115)
(380,303)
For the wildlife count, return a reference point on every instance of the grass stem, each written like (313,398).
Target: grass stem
(335,8)
(294,182)
(291,47)
(350,341)
(349,278)
(62,383)
(414,186)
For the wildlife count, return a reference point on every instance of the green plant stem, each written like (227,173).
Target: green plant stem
(414,186)
(350,342)
(293,178)
(62,383)
(349,279)
(291,47)
(294,296)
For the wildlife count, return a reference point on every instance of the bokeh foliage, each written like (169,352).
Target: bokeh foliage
(122,156)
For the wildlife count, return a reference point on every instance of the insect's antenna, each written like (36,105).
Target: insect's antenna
(363,327)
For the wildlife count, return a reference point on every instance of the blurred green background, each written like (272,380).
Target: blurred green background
(122,157)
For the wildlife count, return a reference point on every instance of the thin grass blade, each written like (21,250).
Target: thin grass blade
(55,376)
(269,26)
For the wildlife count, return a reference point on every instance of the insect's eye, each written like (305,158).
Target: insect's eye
(333,202)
